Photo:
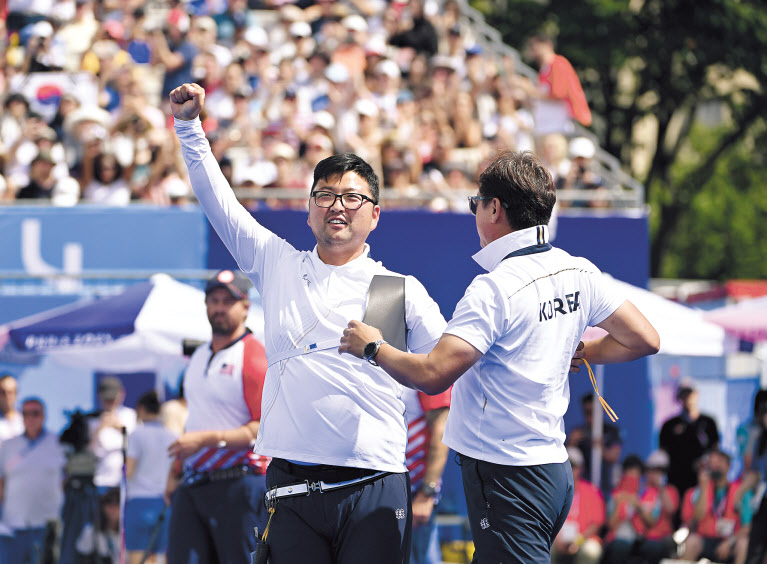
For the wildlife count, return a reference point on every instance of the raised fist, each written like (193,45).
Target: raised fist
(186,101)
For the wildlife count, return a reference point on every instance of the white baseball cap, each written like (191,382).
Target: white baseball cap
(582,147)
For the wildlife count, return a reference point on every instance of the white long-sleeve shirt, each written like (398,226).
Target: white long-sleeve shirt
(320,407)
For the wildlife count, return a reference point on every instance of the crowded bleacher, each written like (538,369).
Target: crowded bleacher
(409,86)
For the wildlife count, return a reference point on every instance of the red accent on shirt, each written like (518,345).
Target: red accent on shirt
(419,434)
(707,528)
(588,507)
(200,462)
(254,367)
(253,372)
(664,526)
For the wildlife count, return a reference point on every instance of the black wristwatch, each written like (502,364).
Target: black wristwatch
(429,489)
(371,350)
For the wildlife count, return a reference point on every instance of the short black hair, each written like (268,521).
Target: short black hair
(338,165)
(519,180)
(16,97)
(632,461)
(150,401)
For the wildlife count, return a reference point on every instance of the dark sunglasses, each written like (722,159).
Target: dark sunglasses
(473,203)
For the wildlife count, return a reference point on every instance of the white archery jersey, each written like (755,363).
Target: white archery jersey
(321,407)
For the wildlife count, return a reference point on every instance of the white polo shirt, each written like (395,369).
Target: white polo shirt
(526,316)
(11,427)
(320,407)
(33,474)
(223,391)
(107,447)
(148,446)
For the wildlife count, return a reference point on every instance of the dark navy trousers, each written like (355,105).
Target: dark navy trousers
(515,511)
(368,523)
(213,523)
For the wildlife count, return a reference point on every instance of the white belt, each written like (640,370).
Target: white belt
(306,487)
(306,349)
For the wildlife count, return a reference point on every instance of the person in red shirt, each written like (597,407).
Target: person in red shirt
(710,512)
(648,516)
(578,541)
(557,82)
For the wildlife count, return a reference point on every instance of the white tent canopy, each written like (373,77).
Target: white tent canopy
(142,333)
(683,330)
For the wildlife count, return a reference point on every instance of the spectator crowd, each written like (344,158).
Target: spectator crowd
(684,502)
(406,84)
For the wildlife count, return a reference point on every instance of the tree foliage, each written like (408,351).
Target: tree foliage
(651,69)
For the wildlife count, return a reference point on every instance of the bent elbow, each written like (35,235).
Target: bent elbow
(435,384)
(652,344)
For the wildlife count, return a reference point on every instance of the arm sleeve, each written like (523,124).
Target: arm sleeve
(425,323)
(255,248)
(480,317)
(133,449)
(604,299)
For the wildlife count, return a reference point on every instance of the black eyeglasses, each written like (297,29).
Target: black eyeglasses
(350,200)
(473,203)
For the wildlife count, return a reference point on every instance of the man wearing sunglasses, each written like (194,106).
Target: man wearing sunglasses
(31,485)
(508,349)
(333,425)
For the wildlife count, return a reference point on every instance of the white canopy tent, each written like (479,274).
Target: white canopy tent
(683,331)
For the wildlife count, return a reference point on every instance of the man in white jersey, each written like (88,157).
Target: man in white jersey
(334,425)
(512,338)
(220,495)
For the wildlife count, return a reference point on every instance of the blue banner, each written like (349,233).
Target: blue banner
(47,240)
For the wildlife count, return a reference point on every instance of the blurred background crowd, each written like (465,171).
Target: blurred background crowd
(405,84)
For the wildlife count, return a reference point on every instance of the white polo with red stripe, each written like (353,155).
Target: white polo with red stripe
(417,404)
(223,391)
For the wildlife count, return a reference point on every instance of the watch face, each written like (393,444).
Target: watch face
(369,350)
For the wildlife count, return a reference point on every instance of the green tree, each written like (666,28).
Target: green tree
(651,68)
(725,230)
